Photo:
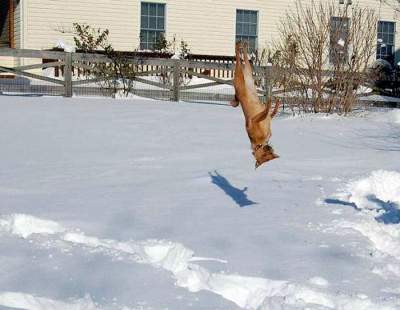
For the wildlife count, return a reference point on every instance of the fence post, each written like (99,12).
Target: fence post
(176,75)
(68,75)
(268,83)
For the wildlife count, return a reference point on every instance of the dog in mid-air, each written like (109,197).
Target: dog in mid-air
(258,115)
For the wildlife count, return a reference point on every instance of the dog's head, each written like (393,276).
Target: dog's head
(264,154)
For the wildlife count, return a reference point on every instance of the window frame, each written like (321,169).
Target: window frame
(156,31)
(386,56)
(240,36)
(335,49)
(8,27)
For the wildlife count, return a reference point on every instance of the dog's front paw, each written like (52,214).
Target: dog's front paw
(234,103)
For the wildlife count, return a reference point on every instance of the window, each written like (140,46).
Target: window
(246,27)
(4,24)
(152,24)
(339,40)
(385,44)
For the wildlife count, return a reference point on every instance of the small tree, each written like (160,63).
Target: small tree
(89,39)
(180,50)
(324,51)
(162,45)
(116,75)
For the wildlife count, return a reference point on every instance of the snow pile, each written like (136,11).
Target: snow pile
(381,185)
(319,281)
(24,225)
(246,292)
(377,198)
(66,47)
(394,116)
(388,117)
(30,302)
(384,238)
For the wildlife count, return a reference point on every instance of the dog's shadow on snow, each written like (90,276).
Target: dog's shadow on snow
(389,212)
(239,196)
(334,201)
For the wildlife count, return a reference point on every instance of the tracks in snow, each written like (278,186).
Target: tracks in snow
(246,292)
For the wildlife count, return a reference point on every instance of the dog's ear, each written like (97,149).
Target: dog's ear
(263,114)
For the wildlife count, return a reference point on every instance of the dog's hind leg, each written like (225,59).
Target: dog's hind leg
(263,114)
(246,55)
(238,76)
(276,108)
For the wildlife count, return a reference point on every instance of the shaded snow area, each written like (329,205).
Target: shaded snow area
(141,204)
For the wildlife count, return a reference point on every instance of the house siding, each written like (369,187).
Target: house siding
(49,21)
(208,26)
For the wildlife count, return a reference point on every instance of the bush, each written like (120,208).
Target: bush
(116,75)
(324,52)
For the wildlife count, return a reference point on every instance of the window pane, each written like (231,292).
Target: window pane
(152,9)
(239,29)
(161,10)
(247,15)
(339,33)
(246,29)
(160,23)
(253,18)
(145,8)
(152,36)
(253,30)
(159,35)
(143,35)
(391,27)
(380,28)
(144,22)
(384,51)
(152,23)
(143,39)
(239,16)
(385,27)
(386,37)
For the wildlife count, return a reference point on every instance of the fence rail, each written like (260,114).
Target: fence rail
(197,78)
(160,78)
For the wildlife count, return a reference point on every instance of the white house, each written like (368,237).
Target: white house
(208,26)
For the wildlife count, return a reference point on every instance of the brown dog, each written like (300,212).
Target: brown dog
(257,115)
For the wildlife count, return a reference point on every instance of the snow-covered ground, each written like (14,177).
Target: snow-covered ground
(139,204)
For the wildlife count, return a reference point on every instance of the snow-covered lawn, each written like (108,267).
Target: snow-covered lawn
(139,204)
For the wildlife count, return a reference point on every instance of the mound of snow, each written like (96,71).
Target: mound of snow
(395,116)
(387,116)
(246,292)
(381,185)
(377,197)
(319,281)
(30,302)
(24,225)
